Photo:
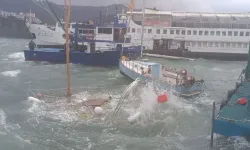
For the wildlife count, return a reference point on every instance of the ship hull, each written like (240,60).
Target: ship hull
(204,55)
(11,27)
(106,58)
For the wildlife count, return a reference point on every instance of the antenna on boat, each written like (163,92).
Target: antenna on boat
(67,17)
(142,28)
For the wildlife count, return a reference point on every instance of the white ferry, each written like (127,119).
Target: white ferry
(194,34)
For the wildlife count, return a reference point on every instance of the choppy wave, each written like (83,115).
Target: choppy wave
(16,56)
(13,73)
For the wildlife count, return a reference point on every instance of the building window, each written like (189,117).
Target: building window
(228,45)
(212,33)
(178,32)
(165,31)
(194,32)
(158,31)
(235,33)
(241,33)
(233,45)
(229,33)
(223,33)
(245,45)
(247,33)
(149,30)
(200,32)
(189,32)
(138,30)
(238,45)
(183,32)
(171,31)
(128,30)
(133,30)
(217,33)
(187,43)
(221,44)
(206,33)
(210,44)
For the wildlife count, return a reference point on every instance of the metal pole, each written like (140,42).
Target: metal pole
(212,129)
(142,32)
(67,17)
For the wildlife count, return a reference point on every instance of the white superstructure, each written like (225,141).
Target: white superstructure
(202,32)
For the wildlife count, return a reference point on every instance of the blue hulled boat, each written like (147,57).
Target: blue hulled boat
(102,45)
(177,80)
(233,118)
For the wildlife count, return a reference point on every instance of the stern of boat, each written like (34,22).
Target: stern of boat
(191,90)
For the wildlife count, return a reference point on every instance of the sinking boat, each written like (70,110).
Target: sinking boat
(167,78)
(233,118)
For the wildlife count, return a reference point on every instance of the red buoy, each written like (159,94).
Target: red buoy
(162,98)
(241,101)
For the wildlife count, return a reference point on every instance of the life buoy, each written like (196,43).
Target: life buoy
(242,101)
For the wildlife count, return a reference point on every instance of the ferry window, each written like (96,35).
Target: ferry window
(210,44)
(238,45)
(212,33)
(200,32)
(193,44)
(158,31)
(133,30)
(171,31)
(194,32)
(223,33)
(217,33)
(228,45)
(244,45)
(206,33)
(233,45)
(199,44)
(149,30)
(204,44)
(138,30)
(241,33)
(178,32)
(80,31)
(216,44)
(189,32)
(247,33)
(235,33)
(183,32)
(165,31)
(221,44)
(229,33)
(105,30)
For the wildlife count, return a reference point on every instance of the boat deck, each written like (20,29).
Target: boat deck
(234,119)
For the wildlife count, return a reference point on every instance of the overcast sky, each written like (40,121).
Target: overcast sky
(178,5)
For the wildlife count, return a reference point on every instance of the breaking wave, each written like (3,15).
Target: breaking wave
(13,73)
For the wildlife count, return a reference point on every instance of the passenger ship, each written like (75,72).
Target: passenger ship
(192,34)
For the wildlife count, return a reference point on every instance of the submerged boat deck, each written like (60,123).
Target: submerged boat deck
(234,119)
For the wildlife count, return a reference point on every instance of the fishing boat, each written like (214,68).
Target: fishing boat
(177,80)
(102,48)
(233,118)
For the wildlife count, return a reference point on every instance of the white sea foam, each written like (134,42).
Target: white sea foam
(13,73)
(16,56)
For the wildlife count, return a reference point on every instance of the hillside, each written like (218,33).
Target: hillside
(78,13)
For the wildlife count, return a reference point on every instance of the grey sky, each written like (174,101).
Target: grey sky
(178,5)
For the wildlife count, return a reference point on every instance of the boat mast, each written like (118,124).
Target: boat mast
(142,28)
(66,18)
